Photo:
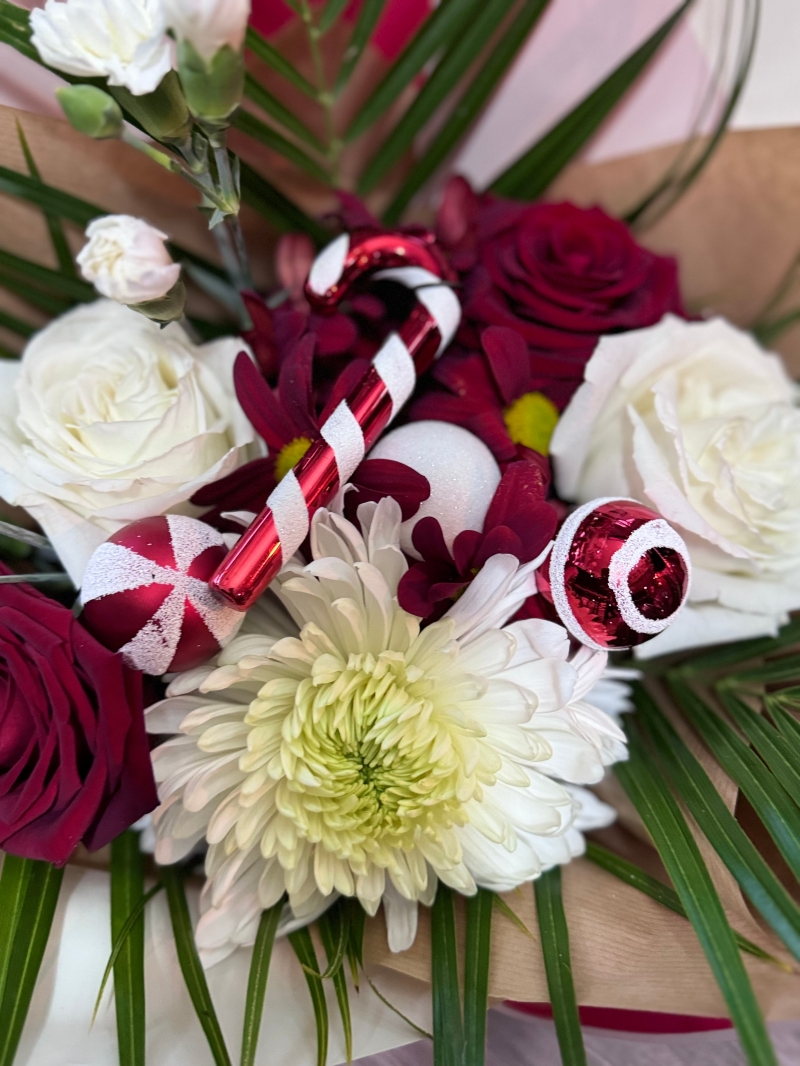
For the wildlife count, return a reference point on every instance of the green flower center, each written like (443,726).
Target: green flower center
(530,421)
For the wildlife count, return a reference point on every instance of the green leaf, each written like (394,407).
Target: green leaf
(287,217)
(251,125)
(334,935)
(452,67)
(257,982)
(27,951)
(119,942)
(127,890)
(786,668)
(736,654)
(16,325)
(530,175)
(476,975)
(554,935)
(307,957)
(448,1026)
(514,918)
(723,832)
(399,1013)
(264,99)
(663,894)
(437,31)
(648,791)
(51,281)
(767,741)
(773,806)
(264,50)
(13,888)
(468,107)
(50,305)
(356,924)
(785,721)
(15,29)
(333,9)
(190,964)
(57,236)
(367,21)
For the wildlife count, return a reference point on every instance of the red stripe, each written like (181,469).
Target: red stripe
(631,1021)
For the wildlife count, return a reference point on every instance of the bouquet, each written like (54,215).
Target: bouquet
(362,582)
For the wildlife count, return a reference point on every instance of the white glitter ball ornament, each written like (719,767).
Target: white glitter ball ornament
(145,594)
(462,472)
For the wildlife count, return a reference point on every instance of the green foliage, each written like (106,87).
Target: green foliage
(307,957)
(448,1024)
(127,892)
(257,982)
(558,966)
(476,975)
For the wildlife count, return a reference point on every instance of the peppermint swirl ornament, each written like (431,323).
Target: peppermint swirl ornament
(145,594)
(618,574)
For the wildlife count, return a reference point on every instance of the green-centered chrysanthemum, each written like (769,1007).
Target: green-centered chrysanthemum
(347,750)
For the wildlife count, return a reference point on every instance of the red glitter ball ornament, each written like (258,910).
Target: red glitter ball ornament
(145,594)
(618,574)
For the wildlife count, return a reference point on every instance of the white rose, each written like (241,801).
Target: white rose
(694,419)
(122,40)
(209,24)
(108,418)
(127,260)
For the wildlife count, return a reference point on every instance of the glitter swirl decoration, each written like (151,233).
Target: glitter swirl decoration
(354,426)
(619,574)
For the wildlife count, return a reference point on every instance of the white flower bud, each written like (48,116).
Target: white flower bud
(208,25)
(122,40)
(126,260)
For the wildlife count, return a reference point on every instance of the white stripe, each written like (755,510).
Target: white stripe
(396,370)
(326,270)
(290,511)
(343,433)
(438,299)
(655,534)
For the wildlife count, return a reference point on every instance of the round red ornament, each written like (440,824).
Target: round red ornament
(145,594)
(618,574)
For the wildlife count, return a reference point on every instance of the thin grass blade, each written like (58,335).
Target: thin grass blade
(512,916)
(36,297)
(15,29)
(307,957)
(452,67)
(190,964)
(468,107)
(248,123)
(50,281)
(57,236)
(287,217)
(367,21)
(530,175)
(119,943)
(648,791)
(723,832)
(260,47)
(264,99)
(127,891)
(334,934)
(735,654)
(438,31)
(333,9)
(33,929)
(554,936)
(448,1025)
(766,795)
(650,886)
(770,744)
(16,325)
(476,975)
(13,888)
(257,982)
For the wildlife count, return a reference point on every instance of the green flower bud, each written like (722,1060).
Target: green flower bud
(162,113)
(167,308)
(213,88)
(91,111)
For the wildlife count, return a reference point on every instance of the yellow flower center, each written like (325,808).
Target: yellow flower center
(290,455)
(530,421)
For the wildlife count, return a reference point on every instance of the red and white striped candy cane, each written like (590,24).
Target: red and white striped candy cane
(354,426)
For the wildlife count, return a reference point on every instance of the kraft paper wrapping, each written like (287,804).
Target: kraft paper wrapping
(736,233)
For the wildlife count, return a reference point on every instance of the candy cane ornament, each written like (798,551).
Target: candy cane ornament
(350,431)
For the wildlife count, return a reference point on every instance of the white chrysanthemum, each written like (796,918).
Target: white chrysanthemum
(348,751)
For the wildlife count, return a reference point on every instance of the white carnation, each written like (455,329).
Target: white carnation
(127,260)
(335,747)
(209,24)
(694,419)
(108,418)
(122,40)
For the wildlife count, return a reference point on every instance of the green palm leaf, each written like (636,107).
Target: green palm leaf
(127,891)
(365,24)
(448,1026)
(257,982)
(264,99)
(476,975)
(270,55)
(558,967)
(307,957)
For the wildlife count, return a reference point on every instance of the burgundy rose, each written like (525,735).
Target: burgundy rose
(74,759)
(558,274)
